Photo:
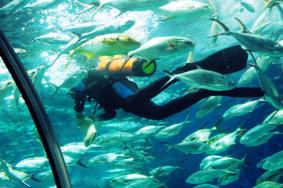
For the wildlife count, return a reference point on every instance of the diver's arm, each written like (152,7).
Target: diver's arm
(80,97)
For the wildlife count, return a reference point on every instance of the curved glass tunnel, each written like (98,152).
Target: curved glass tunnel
(131,151)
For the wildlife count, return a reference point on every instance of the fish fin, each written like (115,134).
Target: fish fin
(243,27)
(190,57)
(155,175)
(187,118)
(222,25)
(204,125)
(166,18)
(172,77)
(56,90)
(217,124)
(25,183)
(79,162)
(78,35)
(280,10)
(89,7)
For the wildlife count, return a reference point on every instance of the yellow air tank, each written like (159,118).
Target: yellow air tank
(126,66)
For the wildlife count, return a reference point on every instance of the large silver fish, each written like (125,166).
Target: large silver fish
(253,42)
(204,79)
(271,93)
(163,46)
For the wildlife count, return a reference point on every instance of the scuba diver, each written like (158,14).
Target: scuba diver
(113,92)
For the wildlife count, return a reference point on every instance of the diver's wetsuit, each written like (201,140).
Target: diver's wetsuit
(117,92)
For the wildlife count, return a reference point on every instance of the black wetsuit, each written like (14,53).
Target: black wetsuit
(138,101)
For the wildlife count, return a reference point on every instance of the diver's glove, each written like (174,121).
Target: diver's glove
(88,128)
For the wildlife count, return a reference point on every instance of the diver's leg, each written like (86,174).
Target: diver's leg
(226,61)
(188,100)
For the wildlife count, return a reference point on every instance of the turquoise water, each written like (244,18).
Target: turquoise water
(24,24)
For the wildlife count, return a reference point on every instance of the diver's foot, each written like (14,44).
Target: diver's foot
(90,135)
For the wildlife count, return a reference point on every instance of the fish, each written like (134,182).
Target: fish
(7,88)
(273,162)
(163,171)
(241,109)
(183,8)
(101,159)
(267,184)
(159,47)
(250,74)
(258,139)
(106,45)
(201,135)
(228,178)
(271,3)
(206,175)
(203,79)
(80,29)
(15,175)
(146,183)
(221,163)
(270,176)
(127,5)
(271,93)
(137,154)
(253,42)
(53,38)
(42,4)
(189,147)
(225,142)
(112,27)
(208,106)
(114,138)
(124,180)
(172,130)
(206,185)
(148,131)
(13,7)
(34,163)
(274,118)
(262,20)
(246,5)
(43,176)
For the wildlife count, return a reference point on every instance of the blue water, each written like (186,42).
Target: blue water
(18,138)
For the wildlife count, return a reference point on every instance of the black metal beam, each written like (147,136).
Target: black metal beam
(37,112)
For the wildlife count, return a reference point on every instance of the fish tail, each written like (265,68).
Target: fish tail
(169,146)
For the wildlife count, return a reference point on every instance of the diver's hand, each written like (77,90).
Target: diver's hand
(88,128)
